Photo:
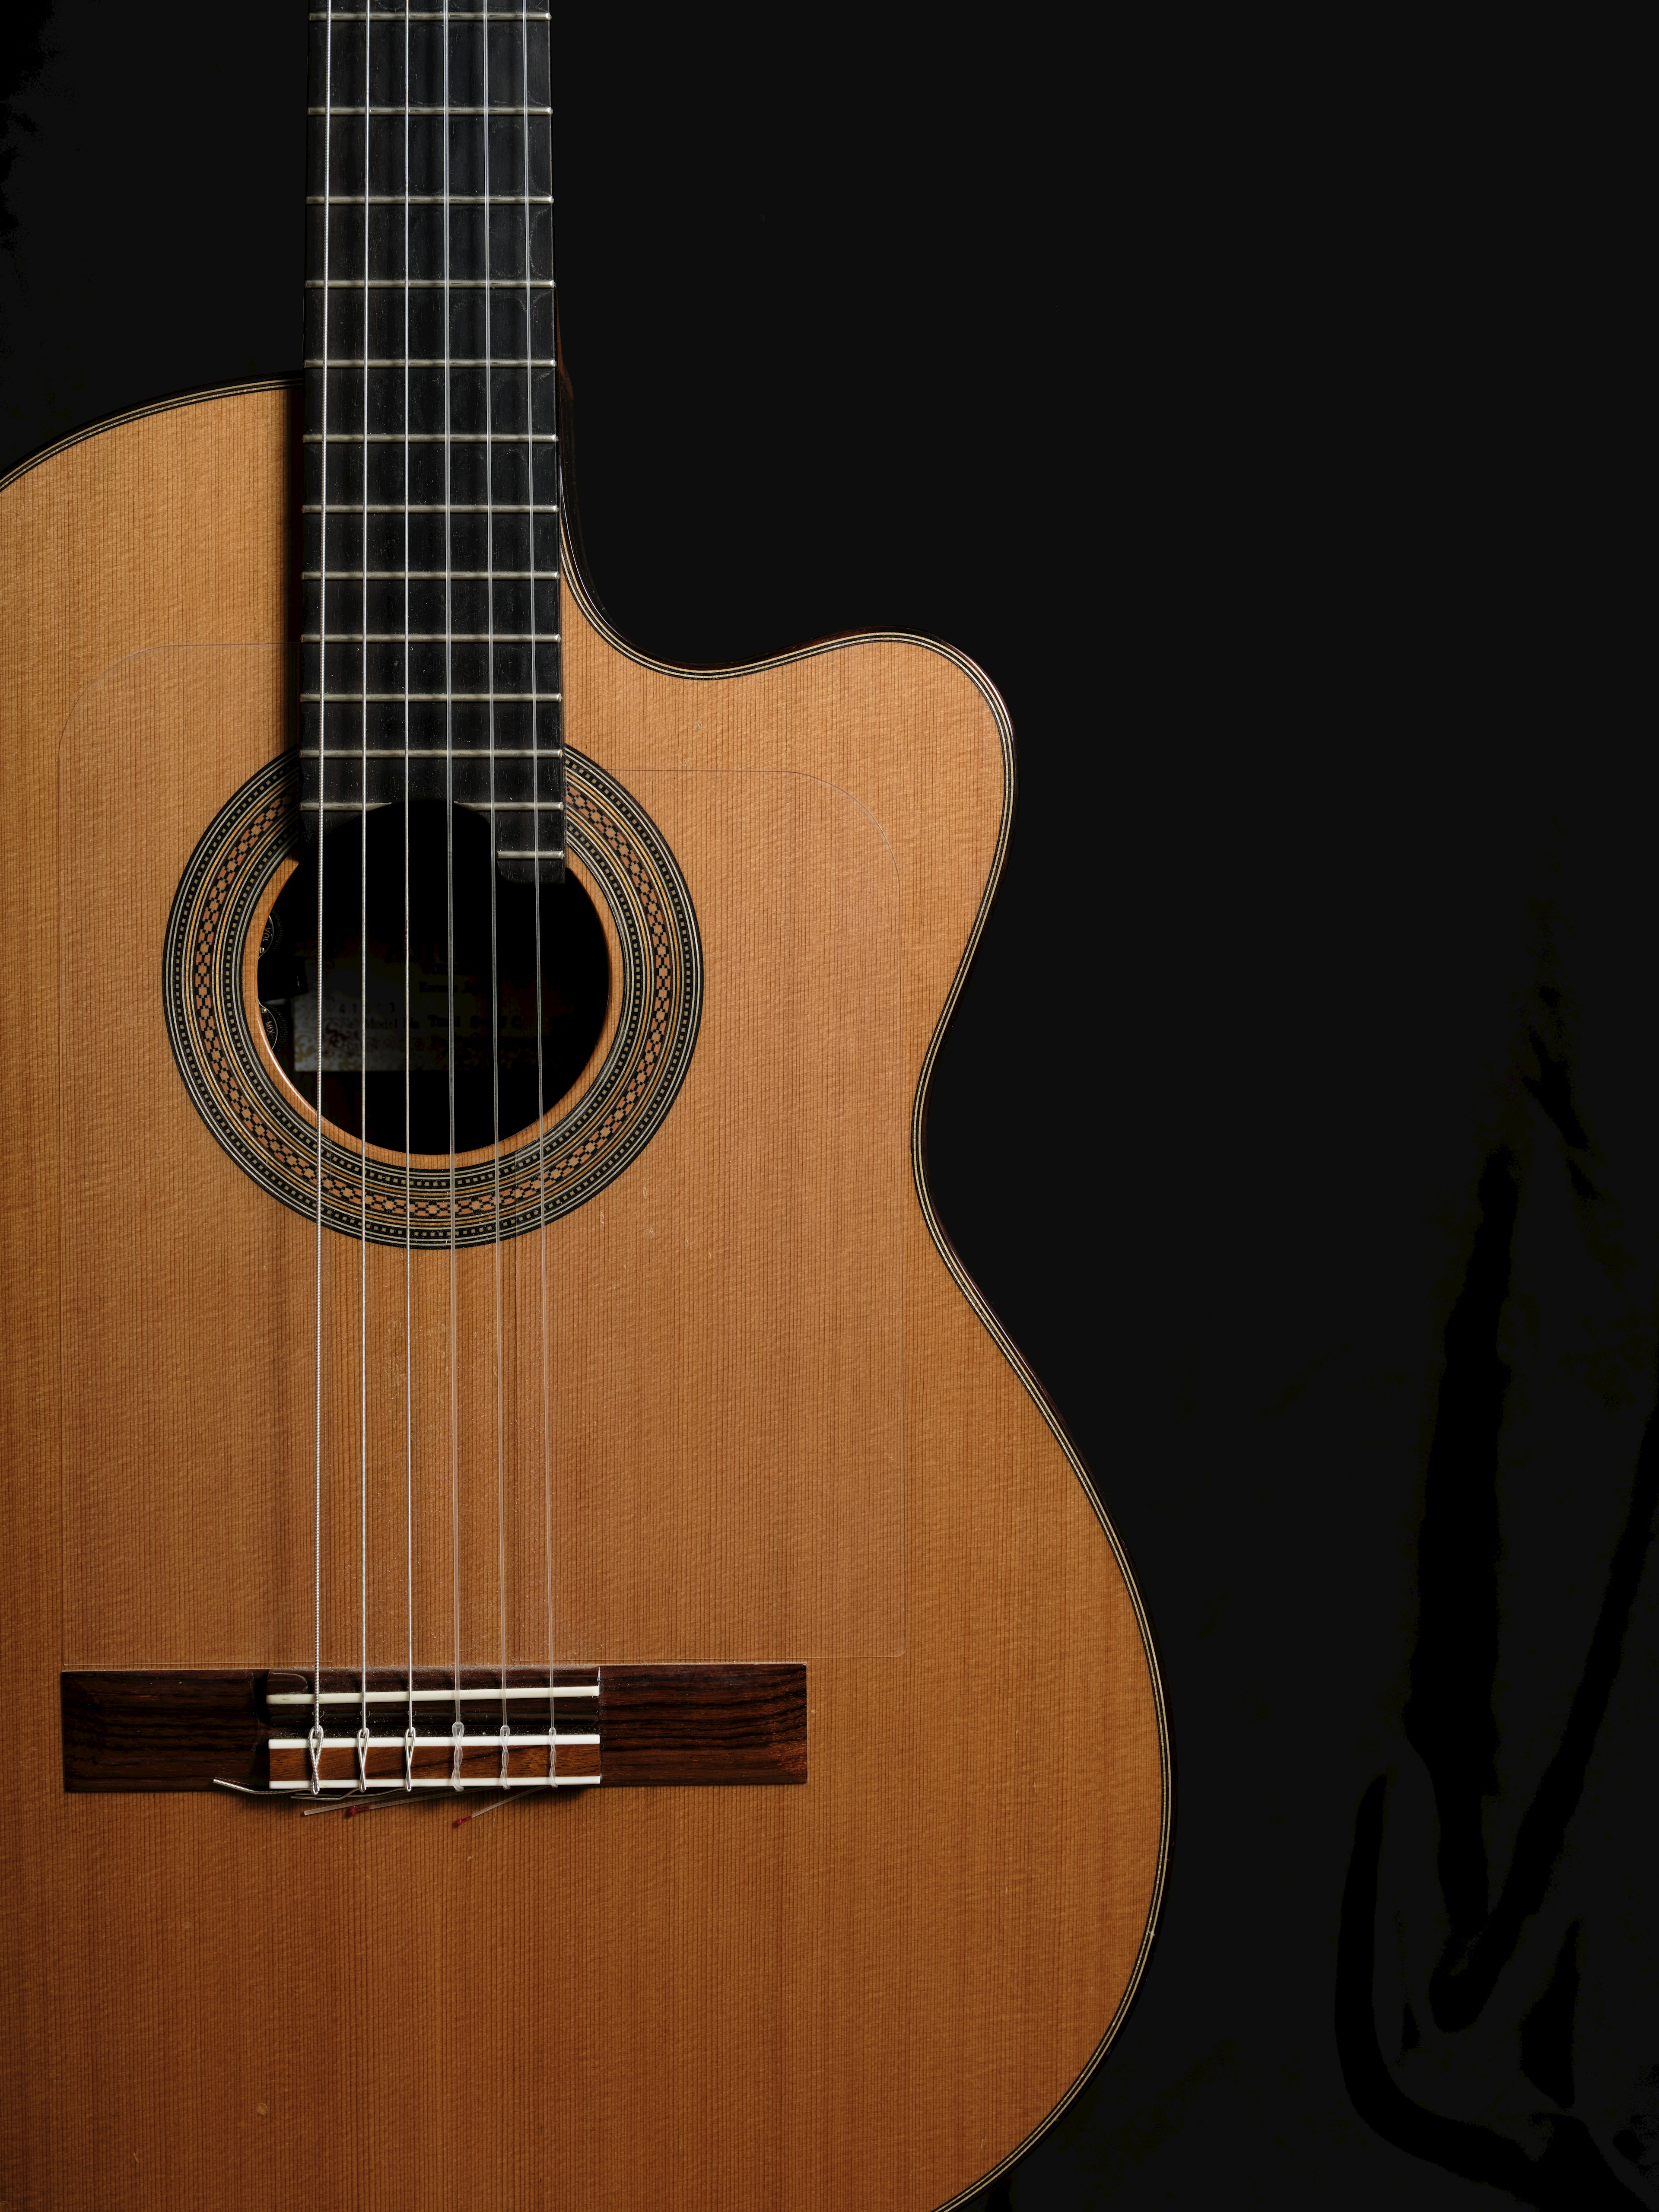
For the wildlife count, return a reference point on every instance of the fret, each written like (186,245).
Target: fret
(510,852)
(467,753)
(432,15)
(473,806)
(434,360)
(516,782)
(348,508)
(443,316)
(472,699)
(425,651)
(430,284)
(428,637)
(477,536)
(521,109)
(428,199)
(468,728)
(431,438)
(426,576)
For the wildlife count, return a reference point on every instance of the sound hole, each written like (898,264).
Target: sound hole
(395,1038)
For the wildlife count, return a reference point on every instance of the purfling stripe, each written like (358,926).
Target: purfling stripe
(262,1126)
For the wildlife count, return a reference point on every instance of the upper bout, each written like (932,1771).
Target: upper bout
(910,732)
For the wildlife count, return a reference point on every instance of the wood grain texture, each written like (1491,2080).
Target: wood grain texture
(869,1992)
(734,1303)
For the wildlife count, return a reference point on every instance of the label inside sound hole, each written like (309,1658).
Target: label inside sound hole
(434,967)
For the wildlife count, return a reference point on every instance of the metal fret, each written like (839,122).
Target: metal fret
(428,199)
(522,108)
(346,510)
(465,753)
(472,698)
(431,438)
(473,806)
(514,853)
(428,637)
(425,576)
(429,284)
(433,361)
(432,15)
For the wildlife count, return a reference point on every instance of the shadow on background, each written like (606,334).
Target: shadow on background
(1545,2155)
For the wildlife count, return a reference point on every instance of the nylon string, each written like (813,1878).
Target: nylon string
(536,771)
(322,817)
(494,981)
(449,914)
(408,1131)
(536,809)
(362,992)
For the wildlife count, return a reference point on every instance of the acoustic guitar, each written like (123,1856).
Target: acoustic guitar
(555,1654)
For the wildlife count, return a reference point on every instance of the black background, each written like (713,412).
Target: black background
(1251,408)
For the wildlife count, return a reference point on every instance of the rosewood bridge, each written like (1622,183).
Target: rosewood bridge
(276,1732)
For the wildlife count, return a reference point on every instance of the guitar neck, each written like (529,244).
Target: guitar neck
(430,662)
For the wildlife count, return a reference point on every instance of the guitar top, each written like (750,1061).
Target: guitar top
(554,1654)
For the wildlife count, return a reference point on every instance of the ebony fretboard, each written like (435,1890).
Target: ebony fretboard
(430,662)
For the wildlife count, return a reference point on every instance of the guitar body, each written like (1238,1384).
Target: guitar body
(752,1397)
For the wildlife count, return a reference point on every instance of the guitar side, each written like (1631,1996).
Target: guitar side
(871,1990)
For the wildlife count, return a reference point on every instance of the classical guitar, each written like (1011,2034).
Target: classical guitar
(554,1653)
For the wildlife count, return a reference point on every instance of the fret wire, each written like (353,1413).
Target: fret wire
(470,698)
(433,361)
(439,752)
(430,438)
(398,109)
(429,575)
(507,852)
(474,806)
(430,284)
(431,15)
(428,199)
(429,637)
(435,507)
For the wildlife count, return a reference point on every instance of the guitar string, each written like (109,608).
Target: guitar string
(408,1127)
(536,770)
(322,795)
(449,898)
(495,818)
(451,978)
(362,988)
